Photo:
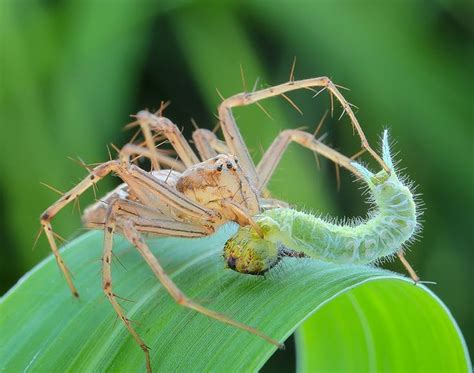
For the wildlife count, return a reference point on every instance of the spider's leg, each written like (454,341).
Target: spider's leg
(122,212)
(149,122)
(207,144)
(94,215)
(149,220)
(241,216)
(408,267)
(131,233)
(273,155)
(94,176)
(163,159)
(152,192)
(107,282)
(234,138)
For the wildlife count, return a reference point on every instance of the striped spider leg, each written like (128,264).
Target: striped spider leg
(232,134)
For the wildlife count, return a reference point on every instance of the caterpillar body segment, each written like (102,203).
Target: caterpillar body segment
(288,232)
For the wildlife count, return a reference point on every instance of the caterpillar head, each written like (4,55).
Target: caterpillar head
(247,252)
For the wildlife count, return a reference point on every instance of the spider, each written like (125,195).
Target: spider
(189,197)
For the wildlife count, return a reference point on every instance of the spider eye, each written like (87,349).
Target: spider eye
(236,160)
(229,165)
(219,168)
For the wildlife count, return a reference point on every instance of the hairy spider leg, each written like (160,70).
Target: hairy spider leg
(107,283)
(95,175)
(232,134)
(207,144)
(149,122)
(146,219)
(274,153)
(149,189)
(154,223)
(242,215)
(163,160)
(133,236)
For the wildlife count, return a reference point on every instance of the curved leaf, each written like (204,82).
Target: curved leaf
(382,326)
(369,312)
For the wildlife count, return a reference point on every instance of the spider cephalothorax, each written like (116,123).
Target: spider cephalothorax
(214,182)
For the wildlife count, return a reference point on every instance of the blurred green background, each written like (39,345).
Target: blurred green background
(71,73)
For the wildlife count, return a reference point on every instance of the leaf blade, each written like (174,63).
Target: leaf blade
(44,328)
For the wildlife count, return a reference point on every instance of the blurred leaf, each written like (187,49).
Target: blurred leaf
(371,317)
(68,80)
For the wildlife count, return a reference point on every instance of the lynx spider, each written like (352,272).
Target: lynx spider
(195,195)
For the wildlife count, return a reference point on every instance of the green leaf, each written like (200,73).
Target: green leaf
(363,317)
(380,326)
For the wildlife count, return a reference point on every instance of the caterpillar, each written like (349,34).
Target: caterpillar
(291,233)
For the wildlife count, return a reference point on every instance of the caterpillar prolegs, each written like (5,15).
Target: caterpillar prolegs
(292,233)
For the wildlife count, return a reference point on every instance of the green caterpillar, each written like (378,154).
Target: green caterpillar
(291,233)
